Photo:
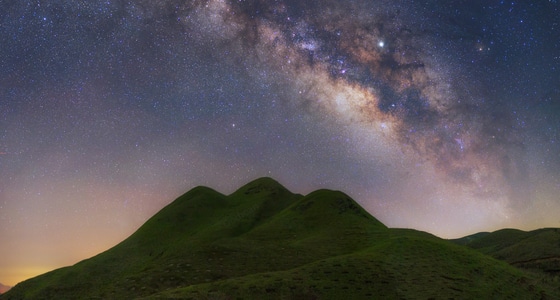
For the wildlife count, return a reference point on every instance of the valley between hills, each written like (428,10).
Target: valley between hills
(265,242)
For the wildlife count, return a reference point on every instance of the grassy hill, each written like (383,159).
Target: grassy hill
(263,241)
(537,250)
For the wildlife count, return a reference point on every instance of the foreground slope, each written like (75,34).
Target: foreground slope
(263,241)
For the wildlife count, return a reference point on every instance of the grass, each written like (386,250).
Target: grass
(263,241)
(537,251)
(388,270)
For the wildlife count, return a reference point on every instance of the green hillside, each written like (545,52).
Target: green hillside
(537,250)
(263,241)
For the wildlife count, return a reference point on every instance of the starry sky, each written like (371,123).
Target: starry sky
(442,116)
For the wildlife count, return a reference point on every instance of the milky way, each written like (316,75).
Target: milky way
(438,116)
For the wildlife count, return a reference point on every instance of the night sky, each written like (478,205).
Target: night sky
(442,116)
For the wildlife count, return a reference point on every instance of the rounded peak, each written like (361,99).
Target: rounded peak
(201,189)
(264,181)
(327,192)
(259,185)
(334,203)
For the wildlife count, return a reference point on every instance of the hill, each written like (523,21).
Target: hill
(263,241)
(537,250)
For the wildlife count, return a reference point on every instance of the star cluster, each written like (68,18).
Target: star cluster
(438,116)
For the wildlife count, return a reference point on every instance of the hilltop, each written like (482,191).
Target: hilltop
(263,241)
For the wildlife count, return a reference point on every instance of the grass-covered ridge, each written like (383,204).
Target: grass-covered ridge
(537,250)
(263,241)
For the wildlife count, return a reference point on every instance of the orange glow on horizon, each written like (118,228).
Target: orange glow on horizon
(13,276)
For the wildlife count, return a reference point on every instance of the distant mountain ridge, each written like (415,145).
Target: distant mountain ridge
(265,242)
(537,250)
(4,288)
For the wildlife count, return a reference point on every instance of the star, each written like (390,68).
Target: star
(117,108)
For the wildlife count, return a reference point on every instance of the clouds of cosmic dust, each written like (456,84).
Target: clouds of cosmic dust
(384,65)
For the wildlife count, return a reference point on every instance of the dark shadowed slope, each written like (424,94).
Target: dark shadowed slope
(263,241)
(537,250)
